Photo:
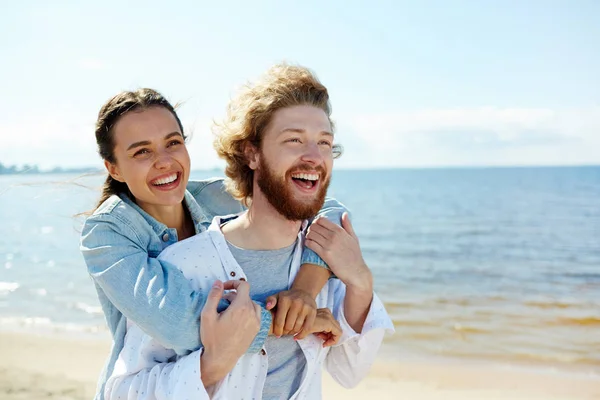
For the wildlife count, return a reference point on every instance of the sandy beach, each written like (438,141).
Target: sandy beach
(54,367)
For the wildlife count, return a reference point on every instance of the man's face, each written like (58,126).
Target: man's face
(293,166)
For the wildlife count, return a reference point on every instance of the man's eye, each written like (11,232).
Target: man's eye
(325,142)
(174,142)
(293,140)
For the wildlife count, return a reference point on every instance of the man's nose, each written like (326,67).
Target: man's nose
(312,154)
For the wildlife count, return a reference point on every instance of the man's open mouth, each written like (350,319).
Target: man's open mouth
(306,180)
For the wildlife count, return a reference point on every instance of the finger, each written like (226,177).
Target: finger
(271,302)
(317,228)
(324,223)
(230,296)
(280,316)
(324,336)
(315,246)
(319,236)
(347,225)
(302,334)
(212,300)
(299,323)
(331,341)
(292,316)
(241,287)
(309,321)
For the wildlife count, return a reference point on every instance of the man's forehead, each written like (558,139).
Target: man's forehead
(301,119)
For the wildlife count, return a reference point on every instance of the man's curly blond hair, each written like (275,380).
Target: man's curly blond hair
(249,113)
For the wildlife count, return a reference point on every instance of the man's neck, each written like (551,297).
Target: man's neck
(261,228)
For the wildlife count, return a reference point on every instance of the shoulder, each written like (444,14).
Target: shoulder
(196,187)
(117,215)
(213,198)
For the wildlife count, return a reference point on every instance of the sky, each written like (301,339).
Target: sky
(412,83)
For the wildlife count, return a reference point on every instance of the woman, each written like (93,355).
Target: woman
(147,204)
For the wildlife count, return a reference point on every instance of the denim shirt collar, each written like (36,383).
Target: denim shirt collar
(158,227)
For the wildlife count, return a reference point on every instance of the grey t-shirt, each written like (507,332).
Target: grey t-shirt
(268,272)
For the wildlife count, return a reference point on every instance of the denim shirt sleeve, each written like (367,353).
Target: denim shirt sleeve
(332,210)
(154,294)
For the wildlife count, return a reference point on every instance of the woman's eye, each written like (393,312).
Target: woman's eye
(293,140)
(141,152)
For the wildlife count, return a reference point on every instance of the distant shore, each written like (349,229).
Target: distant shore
(35,170)
(38,367)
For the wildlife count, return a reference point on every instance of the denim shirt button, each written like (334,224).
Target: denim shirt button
(165,237)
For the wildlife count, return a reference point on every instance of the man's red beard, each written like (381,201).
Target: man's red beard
(279,194)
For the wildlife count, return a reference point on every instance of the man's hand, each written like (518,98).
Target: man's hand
(227,335)
(339,248)
(326,327)
(295,312)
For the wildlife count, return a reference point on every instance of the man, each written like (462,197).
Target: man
(278,144)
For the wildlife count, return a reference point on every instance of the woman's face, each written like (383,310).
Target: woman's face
(151,158)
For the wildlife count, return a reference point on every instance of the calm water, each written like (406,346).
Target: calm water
(481,263)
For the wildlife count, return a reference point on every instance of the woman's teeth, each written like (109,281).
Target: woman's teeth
(163,181)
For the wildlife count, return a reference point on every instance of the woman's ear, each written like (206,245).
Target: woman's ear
(113,171)
(252,156)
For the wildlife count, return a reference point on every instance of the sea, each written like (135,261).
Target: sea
(473,264)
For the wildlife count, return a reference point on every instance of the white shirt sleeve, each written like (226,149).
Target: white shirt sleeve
(350,360)
(168,380)
(145,370)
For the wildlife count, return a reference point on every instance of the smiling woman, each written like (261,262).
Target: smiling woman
(151,156)
(144,208)
(127,110)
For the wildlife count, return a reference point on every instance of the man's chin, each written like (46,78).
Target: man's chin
(303,211)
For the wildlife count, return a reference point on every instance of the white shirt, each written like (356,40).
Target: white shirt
(145,370)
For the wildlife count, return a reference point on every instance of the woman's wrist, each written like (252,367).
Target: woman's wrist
(212,368)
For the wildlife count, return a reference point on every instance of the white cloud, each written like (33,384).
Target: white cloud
(471,136)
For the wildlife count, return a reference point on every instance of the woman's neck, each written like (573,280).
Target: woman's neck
(176,217)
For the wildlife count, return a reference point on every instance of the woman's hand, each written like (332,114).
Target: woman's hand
(227,335)
(338,246)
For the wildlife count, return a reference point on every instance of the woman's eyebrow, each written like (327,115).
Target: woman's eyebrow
(147,143)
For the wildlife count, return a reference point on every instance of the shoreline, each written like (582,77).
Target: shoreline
(388,354)
(55,366)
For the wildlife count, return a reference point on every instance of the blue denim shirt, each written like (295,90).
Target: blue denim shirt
(120,243)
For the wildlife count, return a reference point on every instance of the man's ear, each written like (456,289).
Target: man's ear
(113,171)
(252,156)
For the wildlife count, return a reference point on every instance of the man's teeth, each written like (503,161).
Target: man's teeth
(307,177)
(164,181)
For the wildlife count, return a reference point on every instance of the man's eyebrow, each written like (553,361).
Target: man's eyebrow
(298,130)
(147,143)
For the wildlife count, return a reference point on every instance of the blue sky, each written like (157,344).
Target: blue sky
(412,83)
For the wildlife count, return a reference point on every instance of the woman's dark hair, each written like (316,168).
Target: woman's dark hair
(109,115)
